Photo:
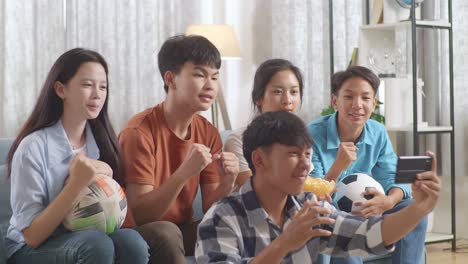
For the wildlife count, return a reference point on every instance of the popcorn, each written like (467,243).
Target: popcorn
(319,187)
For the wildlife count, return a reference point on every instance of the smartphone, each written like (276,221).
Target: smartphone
(409,166)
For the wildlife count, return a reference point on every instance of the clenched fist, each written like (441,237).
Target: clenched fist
(228,167)
(196,160)
(346,154)
(82,171)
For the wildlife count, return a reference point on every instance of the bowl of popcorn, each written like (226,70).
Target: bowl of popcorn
(318,186)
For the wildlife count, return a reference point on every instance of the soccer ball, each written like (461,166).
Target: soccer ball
(100,206)
(350,190)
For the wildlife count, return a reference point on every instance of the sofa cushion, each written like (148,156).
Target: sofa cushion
(5,210)
(5,144)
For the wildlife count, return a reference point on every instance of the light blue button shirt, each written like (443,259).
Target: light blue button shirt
(38,171)
(375,156)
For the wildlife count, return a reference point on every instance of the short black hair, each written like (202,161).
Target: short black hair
(266,71)
(270,128)
(339,78)
(178,50)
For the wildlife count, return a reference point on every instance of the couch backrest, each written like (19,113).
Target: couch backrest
(5,208)
(5,144)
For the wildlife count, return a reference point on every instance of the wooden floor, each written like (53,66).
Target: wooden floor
(442,253)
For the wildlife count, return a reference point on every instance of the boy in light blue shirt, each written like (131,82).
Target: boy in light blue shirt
(375,156)
(349,142)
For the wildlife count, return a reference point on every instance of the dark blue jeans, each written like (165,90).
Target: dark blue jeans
(409,250)
(122,246)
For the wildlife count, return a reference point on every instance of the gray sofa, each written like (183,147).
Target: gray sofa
(5,209)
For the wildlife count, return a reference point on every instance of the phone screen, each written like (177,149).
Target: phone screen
(409,166)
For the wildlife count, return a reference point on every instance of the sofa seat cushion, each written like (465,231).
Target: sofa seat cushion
(5,210)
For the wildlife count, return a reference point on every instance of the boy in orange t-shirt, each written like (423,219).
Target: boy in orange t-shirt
(169,150)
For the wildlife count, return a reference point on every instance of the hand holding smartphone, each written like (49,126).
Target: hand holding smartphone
(409,166)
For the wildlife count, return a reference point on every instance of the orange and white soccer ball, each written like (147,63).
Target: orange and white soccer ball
(100,206)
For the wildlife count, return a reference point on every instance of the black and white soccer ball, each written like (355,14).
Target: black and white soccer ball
(350,190)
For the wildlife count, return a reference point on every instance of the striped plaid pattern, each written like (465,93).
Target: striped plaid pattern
(237,228)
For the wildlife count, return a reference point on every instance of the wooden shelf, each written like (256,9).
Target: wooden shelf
(432,237)
(419,23)
(388,41)
(433,24)
(422,129)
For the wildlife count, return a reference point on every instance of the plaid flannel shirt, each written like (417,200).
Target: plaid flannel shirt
(237,228)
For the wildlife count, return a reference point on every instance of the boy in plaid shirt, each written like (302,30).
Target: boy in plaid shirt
(270,220)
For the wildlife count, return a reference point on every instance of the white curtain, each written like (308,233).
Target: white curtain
(296,30)
(300,33)
(31,38)
(129,34)
(460,72)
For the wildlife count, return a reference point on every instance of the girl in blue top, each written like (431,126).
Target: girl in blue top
(65,143)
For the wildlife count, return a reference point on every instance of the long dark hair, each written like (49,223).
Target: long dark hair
(266,71)
(49,109)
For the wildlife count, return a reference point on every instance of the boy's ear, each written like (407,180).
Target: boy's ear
(374,104)
(169,79)
(259,159)
(59,89)
(334,98)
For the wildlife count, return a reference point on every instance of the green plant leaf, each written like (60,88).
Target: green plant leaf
(378,117)
(328,111)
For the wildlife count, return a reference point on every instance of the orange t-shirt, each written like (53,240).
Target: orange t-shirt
(152,153)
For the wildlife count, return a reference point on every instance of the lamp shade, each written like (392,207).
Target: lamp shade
(222,36)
